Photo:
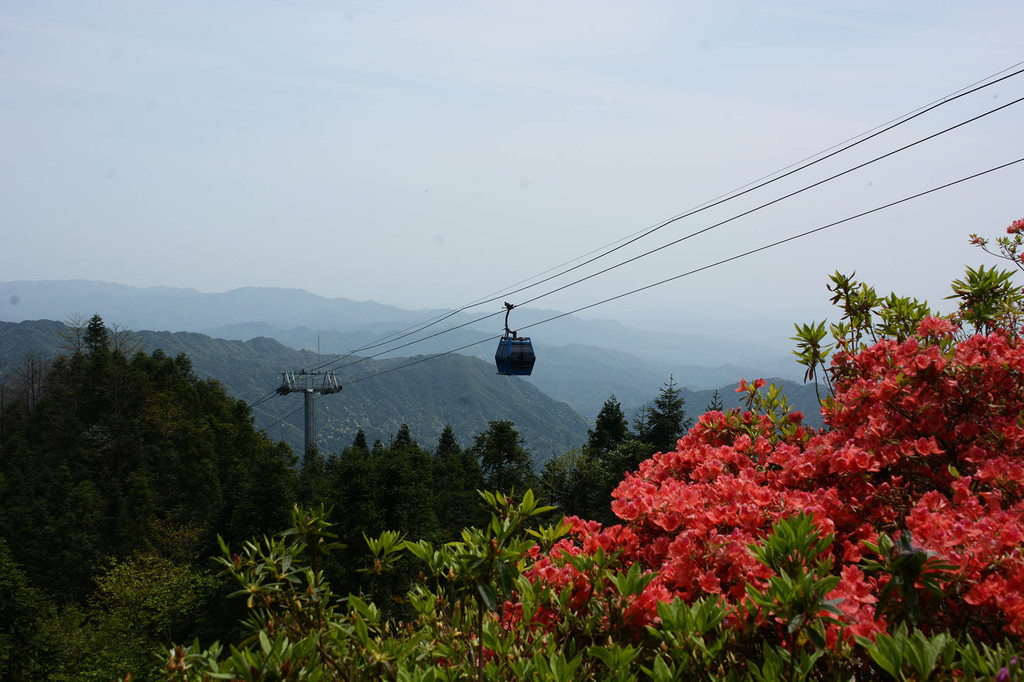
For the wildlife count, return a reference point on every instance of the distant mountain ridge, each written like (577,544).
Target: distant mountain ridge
(229,314)
(580,362)
(188,309)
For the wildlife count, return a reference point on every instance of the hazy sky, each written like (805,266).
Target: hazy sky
(425,154)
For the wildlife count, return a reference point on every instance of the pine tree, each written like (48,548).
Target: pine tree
(403,439)
(447,445)
(97,338)
(716,403)
(667,420)
(506,464)
(642,424)
(359,500)
(610,427)
(407,478)
(457,478)
(313,485)
(575,482)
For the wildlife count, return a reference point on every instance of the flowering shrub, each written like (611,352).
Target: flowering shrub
(925,437)
(918,476)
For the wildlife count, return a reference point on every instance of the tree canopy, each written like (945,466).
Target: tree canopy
(505,462)
(610,427)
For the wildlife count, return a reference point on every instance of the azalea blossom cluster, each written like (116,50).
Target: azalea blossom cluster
(1009,248)
(924,440)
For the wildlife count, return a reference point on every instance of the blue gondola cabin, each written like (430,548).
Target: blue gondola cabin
(514,356)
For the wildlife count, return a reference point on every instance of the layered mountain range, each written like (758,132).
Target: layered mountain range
(246,337)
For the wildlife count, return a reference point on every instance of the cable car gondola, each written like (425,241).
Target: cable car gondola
(514,356)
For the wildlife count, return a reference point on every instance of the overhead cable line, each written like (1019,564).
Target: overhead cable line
(707,267)
(413,342)
(782,241)
(425,358)
(729,196)
(773,201)
(759,185)
(683,238)
(287,416)
(263,399)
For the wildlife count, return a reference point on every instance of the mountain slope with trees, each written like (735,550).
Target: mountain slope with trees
(121,471)
(457,390)
(579,373)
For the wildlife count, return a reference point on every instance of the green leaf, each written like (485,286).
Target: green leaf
(660,671)
(488,594)
(264,642)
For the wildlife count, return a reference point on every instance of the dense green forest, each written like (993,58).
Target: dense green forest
(120,469)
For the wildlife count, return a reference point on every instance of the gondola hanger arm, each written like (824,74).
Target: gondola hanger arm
(508,309)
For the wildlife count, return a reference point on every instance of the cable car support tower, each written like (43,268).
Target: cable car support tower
(309,384)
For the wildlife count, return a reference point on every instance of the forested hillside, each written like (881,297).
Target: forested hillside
(452,390)
(578,370)
(120,469)
(455,390)
(116,475)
